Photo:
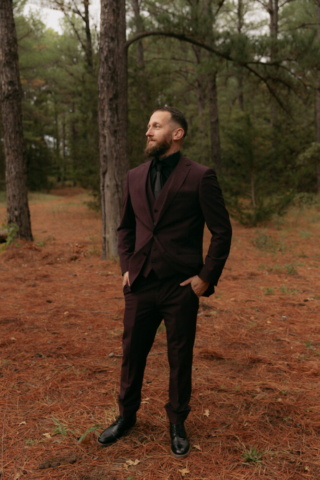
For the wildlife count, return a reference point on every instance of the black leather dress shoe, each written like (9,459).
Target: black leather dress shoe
(180,446)
(116,430)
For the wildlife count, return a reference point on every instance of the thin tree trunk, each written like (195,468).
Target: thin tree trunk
(240,92)
(2,156)
(88,34)
(64,159)
(201,101)
(57,139)
(139,27)
(253,195)
(14,147)
(112,119)
(68,7)
(201,90)
(213,99)
(74,149)
(318,101)
(273,11)
(214,121)
(240,16)
(274,16)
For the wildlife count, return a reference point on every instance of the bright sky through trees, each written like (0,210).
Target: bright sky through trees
(52,18)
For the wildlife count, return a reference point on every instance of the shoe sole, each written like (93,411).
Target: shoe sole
(181,456)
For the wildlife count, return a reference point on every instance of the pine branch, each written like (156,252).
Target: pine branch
(210,49)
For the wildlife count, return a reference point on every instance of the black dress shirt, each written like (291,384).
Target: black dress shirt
(168,165)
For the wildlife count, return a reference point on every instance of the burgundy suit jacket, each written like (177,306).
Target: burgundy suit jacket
(191,199)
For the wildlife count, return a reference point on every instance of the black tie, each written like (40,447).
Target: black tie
(157,185)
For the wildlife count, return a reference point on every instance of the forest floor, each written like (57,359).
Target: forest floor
(256,390)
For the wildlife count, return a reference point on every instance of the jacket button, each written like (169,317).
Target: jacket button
(154,223)
(155,210)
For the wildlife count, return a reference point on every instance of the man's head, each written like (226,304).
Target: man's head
(166,130)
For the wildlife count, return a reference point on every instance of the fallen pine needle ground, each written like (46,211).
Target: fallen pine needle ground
(255,403)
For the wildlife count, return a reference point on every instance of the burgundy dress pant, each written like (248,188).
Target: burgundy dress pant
(151,300)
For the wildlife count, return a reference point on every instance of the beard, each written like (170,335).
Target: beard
(158,149)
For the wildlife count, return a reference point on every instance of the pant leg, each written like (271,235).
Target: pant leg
(179,306)
(141,320)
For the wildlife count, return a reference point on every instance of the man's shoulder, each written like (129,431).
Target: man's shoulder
(196,167)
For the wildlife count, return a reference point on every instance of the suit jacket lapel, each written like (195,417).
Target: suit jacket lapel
(140,194)
(175,180)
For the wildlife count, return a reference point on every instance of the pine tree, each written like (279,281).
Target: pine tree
(14,147)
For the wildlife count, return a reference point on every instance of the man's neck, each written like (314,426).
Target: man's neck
(169,152)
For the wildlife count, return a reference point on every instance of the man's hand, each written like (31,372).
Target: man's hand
(125,279)
(198,285)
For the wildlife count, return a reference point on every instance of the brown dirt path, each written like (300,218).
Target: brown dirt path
(256,364)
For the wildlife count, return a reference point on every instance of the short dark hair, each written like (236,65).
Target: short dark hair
(177,116)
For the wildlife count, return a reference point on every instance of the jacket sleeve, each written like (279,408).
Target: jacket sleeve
(126,230)
(218,222)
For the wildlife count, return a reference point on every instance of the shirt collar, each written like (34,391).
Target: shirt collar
(170,160)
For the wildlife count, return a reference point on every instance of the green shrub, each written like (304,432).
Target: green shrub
(266,243)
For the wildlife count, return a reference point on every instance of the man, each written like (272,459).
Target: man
(166,203)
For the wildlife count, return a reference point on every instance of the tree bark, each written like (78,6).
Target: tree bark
(139,26)
(64,156)
(273,11)
(201,89)
(214,121)
(274,16)
(88,34)
(318,99)
(112,119)
(240,16)
(240,92)
(253,195)
(14,147)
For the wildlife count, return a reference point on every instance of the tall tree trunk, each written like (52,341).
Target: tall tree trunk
(253,195)
(240,92)
(14,147)
(274,17)
(57,139)
(240,16)
(318,100)
(273,11)
(2,156)
(213,97)
(201,89)
(86,20)
(64,157)
(74,145)
(112,119)
(139,27)
(214,121)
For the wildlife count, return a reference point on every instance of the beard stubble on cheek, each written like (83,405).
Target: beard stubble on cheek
(158,149)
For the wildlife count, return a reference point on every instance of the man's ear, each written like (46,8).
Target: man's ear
(178,134)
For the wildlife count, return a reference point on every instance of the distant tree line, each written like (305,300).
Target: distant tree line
(245,73)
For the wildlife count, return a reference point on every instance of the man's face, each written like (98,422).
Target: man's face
(159,134)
